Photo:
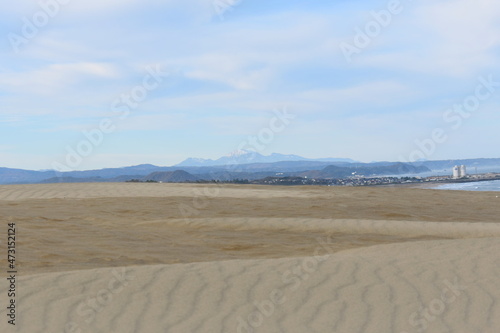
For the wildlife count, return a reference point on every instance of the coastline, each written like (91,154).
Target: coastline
(434,183)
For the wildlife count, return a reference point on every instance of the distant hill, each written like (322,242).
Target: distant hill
(367,170)
(8,175)
(73,180)
(491,163)
(177,176)
(252,157)
(20,176)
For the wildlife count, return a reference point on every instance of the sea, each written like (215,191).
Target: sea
(492,185)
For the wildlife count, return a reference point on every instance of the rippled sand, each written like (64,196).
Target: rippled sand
(203,258)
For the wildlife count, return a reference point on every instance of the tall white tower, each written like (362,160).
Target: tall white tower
(463,171)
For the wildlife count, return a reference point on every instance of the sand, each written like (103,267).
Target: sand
(208,258)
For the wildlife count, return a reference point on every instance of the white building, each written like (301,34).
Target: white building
(463,171)
(459,171)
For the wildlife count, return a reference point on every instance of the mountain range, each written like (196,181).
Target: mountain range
(248,157)
(245,165)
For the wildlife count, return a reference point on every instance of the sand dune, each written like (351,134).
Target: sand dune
(331,226)
(127,258)
(432,286)
(117,190)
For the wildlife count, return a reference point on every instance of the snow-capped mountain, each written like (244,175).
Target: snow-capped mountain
(249,156)
(240,152)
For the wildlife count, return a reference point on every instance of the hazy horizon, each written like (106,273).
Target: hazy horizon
(489,169)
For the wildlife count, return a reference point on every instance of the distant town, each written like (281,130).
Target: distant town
(459,175)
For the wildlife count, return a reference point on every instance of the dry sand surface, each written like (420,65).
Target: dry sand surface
(208,258)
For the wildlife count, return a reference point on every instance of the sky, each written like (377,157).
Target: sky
(93,84)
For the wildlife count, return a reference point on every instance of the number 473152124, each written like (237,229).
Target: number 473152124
(11,245)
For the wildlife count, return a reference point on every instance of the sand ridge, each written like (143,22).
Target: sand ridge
(117,190)
(329,226)
(431,286)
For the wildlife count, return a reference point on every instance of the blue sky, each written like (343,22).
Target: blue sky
(229,68)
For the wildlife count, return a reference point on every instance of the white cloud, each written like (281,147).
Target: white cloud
(452,38)
(230,70)
(54,78)
(370,95)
